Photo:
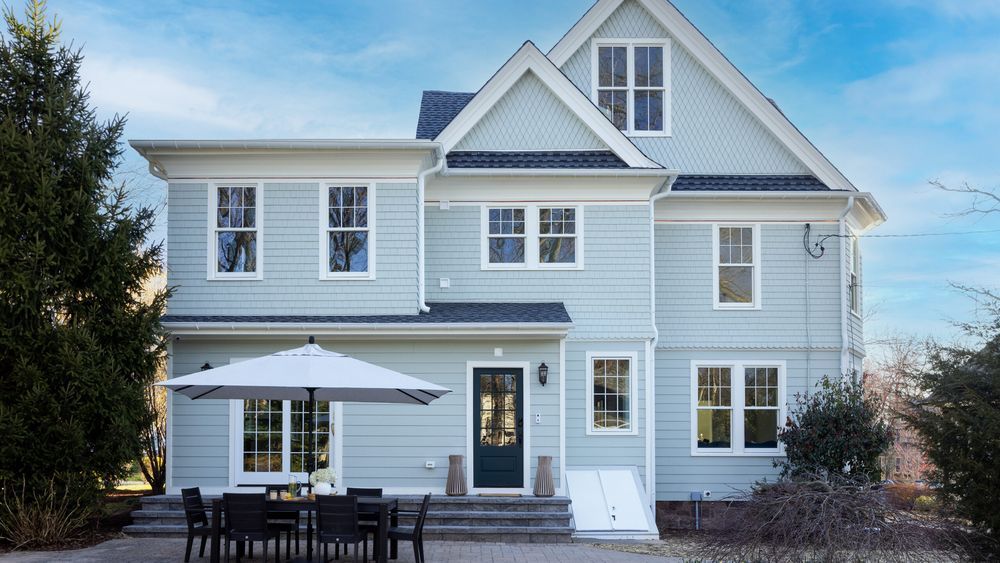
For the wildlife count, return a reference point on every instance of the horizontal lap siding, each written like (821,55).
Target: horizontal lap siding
(609,298)
(712,131)
(384,445)
(678,473)
(684,291)
(607,449)
(291,257)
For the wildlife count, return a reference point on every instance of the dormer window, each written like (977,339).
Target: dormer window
(630,82)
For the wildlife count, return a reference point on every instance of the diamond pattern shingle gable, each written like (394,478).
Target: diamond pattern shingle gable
(746,183)
(437,109)
(536,159)
(441,313)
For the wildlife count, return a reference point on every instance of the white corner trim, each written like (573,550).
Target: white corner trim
(757,261)
(633,358)
(324,239)
(561,489)
(212,260)
(529,58)
(525,368)
(691,39)
(737,386)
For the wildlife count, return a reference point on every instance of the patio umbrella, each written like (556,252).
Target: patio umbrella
(311,374)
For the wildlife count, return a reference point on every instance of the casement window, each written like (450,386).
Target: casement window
(234,226)
(631,79)
(737,407)
(273,440)
(347,232)
(532,237)
(736,273)
(612,393)
(855,276)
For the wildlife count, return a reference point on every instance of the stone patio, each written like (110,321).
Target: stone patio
(155,550)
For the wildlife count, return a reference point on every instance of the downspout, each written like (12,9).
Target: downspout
(842,231)
(421,282)
(651,348)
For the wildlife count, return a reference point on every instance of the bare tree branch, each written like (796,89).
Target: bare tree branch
(984,201)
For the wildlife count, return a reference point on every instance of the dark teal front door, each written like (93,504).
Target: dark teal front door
(498,425)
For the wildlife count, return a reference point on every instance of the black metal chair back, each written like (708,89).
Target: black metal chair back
(245,514)
(362,492)
(337,516)
(418,526)
(194,507)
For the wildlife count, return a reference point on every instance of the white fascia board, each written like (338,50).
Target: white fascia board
(162,145)
(865,216)
(458,190)
(701,48)
(528,57)
(395,330)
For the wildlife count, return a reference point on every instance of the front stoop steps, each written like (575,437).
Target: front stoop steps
(468,518)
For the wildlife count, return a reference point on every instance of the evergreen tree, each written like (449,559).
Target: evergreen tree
(78,346)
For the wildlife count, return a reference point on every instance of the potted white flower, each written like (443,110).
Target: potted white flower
(323,480)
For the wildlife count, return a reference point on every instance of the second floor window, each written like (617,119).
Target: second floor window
(236,233)
(506,235)
(347,232)
(557,235)
(737,268)
(532,237)
(630,85)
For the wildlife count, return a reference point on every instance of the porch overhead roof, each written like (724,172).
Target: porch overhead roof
(479,314)
(748,183)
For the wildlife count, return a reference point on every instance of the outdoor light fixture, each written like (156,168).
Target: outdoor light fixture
(543,373)
(207,366)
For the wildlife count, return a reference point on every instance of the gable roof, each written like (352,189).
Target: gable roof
(529,58)
(688,36)
(535,159)
(437,109)
(747,183)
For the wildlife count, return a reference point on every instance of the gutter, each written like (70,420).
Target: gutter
(842,231)
(387,329)
(421,281)
(146,145)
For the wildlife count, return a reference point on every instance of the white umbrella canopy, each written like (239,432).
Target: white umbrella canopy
(292,374)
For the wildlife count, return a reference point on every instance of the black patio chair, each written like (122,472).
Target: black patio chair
(337,523)
(415,533)
(286,521)
(197,521)
(367,521)
(246,521)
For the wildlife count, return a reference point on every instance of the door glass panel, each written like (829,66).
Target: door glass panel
(498,410)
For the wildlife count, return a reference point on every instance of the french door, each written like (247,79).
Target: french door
(272,443)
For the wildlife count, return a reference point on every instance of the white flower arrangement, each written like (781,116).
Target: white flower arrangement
(323,475)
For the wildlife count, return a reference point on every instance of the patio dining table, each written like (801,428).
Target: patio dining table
(387,509)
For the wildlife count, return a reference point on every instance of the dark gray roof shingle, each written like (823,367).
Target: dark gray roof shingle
(437,109)
(535,159)
(748,183)
(441,313)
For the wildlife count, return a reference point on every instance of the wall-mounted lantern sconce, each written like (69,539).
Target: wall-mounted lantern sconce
(543,373)
(207,366)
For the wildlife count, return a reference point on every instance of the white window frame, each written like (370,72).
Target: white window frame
(633,402)
(324,229)
(755,303)
(630,45)
(738,407)
(854,277)
(213,232)
(532,237)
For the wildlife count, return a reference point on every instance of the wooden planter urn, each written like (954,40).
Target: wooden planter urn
(456,486)
(544,487)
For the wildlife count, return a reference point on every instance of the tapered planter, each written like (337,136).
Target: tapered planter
(456,486)
(544,487)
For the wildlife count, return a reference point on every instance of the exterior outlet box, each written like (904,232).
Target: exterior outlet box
(696,495)
(445,282)
(498,352)
(706,495)
(538,418)
(429,464)
(444,204)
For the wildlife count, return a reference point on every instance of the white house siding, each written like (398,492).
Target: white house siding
(712,132)
(291,256)
(383,445)
(678,473)
(530,117)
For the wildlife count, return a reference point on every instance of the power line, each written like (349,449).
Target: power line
(903,235)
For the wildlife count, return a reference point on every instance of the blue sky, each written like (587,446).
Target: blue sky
(894,92)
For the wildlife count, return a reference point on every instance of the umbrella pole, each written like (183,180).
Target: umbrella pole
(312,429)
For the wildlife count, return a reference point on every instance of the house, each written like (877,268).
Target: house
(625,213)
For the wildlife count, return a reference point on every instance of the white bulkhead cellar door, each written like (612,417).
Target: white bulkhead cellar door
(609,502)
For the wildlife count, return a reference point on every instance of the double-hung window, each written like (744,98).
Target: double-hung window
(737,266)
(631,80)
(611,391)
(347,232)
(737,407)
(532,237)
(855,280)
(234,243)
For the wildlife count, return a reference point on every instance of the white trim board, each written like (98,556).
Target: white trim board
(525,368)
(691,39)
(529,58)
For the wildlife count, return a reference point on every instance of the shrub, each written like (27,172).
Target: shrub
(926,503)
(835,432)
(55,511)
